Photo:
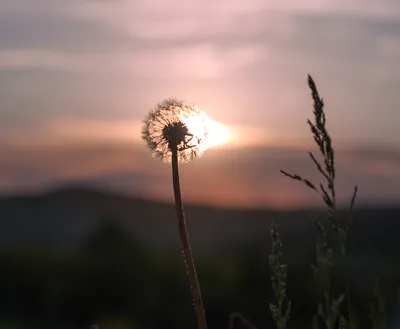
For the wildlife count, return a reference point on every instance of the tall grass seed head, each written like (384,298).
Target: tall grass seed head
(174,123)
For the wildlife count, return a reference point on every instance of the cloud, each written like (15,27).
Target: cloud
(239,32)
(205,40)
(200,62)
(28,59)
(245,61)
(60,32)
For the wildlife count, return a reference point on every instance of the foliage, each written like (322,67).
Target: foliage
(280,312)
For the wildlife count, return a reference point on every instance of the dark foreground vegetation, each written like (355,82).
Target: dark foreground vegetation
(77,257)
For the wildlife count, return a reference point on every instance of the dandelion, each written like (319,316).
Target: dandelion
(174,132)
(172,125)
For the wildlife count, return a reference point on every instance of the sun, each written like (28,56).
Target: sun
(218,134)
(215,132)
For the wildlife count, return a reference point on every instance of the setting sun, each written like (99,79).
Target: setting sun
(218,134)
(203,125)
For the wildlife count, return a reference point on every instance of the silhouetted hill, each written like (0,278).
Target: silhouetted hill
(65,263)
(64,217)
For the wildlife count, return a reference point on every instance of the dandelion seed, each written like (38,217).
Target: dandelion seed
(175,124)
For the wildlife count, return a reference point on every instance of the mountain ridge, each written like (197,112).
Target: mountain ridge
(63,218)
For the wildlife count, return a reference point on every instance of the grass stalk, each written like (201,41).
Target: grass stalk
(281,309)
(327,191)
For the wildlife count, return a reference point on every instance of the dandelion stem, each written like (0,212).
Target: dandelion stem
(186,250)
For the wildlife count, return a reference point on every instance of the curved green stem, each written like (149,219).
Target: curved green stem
(186,250)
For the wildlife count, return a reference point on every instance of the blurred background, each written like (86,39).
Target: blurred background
(87,228)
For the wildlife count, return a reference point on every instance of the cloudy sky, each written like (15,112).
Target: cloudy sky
(78,76)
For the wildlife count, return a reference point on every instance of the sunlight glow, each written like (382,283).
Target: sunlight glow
(217,133)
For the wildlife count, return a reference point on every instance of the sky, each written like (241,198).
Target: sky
(78,77)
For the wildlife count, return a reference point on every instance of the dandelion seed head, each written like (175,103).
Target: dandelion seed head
(175,124)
